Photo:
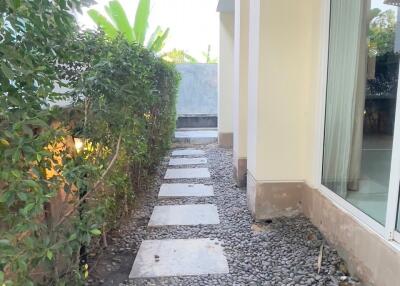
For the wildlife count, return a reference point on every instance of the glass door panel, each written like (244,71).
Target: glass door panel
(398,218)
(363,64)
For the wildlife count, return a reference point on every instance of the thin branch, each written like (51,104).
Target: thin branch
(96,185)
(86,103)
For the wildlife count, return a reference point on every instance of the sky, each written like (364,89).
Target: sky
(380,4)
(193,24)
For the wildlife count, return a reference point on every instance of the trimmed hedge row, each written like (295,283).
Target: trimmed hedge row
(55,200)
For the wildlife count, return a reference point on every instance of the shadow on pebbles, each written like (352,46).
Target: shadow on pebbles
(283,251)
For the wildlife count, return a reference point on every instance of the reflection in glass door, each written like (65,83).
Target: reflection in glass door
(363,64)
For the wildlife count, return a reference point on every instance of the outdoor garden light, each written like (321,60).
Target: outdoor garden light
(78,144)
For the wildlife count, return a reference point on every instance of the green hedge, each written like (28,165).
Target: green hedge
(123,109)
(131,93)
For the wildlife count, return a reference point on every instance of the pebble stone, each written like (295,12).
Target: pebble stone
(281,252)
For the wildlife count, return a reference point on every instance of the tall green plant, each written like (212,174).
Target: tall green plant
(32,41)
(381,33)
(41,242)
(119,23)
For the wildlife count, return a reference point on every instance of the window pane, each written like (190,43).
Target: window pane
(360,102)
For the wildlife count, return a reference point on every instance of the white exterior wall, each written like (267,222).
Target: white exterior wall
(225,73)
(282,89)
(241,57)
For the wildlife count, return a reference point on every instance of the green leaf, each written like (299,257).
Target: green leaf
(160,41)
(95,231)
(28,208)
(73,236)
(7,71)
(153,37)
(117,14)
(28,149)
(32,184)
(142,20)
(15,173)
(14,100)
(49,254)
(103,23)
(37,122)
(16,155)
(22,265)
(22,196)
(4,242)
(1,276)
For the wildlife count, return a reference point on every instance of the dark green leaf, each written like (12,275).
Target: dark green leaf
(8,73)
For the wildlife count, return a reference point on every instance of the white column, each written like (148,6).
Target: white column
(241,56)
(281,98)
(225,80)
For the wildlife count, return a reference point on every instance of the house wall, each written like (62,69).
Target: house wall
(279,115)
(240,92)
(225,80)
(286,74)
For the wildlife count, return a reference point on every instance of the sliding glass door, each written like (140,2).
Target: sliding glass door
(360,107)
(398,217)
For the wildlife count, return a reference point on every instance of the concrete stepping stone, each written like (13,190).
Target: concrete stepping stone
(187,152)
(185,190)
(187,161)
(184,215)
(202,136)
(179,257)
(187,173)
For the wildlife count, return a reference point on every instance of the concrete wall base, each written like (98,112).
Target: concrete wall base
(371,258)
(267,200)
(225,139)
(197,121)
(240,171)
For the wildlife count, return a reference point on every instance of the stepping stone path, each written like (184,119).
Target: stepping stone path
(184,215)
(187,152)
(196,136)
(187,161)
(185,190)
(187,173)
(181,257)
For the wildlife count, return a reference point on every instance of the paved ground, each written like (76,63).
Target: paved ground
(196,136)
(281,252)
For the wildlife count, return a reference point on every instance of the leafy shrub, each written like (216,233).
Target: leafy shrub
(53,200)
(127,92)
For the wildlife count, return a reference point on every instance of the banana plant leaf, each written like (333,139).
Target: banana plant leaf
(141,20)
(157,32)
(103,23)
(116,12)
(159,42)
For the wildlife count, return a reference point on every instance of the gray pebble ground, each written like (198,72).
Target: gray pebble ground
(282,252)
